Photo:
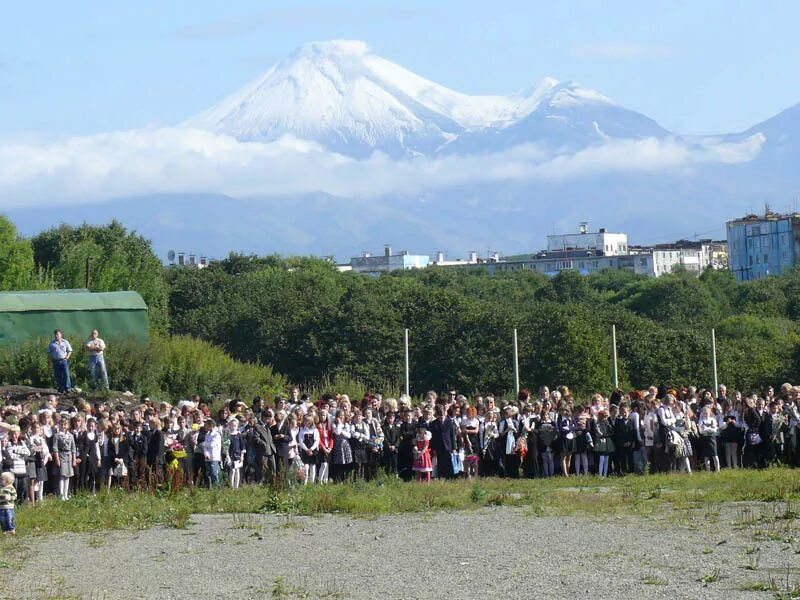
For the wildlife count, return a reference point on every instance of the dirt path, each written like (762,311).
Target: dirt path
(486,554)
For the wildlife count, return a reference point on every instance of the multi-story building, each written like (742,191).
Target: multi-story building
(585,252)
(609,244)
(388,261)
(588,252)
(760,246)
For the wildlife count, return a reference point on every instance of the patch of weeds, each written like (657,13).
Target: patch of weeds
(655,493)
(498,499)
(478,494)
(178,517)
(653,579)
(755,586)
(712,577)
(753,560)
(246,521)
(279,502)
(283,589)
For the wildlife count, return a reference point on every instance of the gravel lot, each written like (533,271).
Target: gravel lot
(491,553)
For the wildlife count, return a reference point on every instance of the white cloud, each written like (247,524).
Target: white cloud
(621,50)
(178,160)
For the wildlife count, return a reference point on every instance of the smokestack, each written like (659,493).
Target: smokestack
(387,250)
(440,257)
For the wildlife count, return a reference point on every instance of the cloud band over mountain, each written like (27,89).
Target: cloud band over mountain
(181,160)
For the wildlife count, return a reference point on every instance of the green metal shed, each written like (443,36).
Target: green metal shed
(31,315)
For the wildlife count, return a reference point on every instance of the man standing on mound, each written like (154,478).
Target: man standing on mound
(58,353)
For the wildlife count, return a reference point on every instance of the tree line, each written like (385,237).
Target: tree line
(312,323)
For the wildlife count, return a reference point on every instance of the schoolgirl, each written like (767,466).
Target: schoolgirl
(423,465)
(308,447)
(707,426)
(604,442)
(236,452)
(326,442)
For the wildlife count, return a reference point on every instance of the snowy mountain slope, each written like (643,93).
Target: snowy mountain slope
(352,101)
(562,117)
(349,100)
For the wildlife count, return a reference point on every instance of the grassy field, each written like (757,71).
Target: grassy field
(589,496)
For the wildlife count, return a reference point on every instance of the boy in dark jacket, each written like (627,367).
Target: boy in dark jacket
(624,438)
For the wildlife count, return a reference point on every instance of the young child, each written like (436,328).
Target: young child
(236,452)
(422,455)
(8,496)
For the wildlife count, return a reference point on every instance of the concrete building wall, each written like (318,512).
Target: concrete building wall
(760,247)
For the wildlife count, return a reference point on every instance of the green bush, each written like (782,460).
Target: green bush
(168,366)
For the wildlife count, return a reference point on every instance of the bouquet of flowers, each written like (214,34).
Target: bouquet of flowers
(176,452)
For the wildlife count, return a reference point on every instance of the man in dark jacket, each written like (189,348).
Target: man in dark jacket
(443,441)
(260,438)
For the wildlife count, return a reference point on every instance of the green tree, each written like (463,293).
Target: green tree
(120,260)
(16,259)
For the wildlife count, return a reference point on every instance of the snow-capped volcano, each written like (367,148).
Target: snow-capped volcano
(350,100)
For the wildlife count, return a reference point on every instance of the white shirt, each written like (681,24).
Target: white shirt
(212,446)
(95,346)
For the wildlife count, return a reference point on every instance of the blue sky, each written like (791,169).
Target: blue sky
(705,66)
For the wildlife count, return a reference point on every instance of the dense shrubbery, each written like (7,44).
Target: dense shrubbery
(168,366)
(328,329)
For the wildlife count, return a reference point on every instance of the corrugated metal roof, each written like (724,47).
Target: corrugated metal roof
(60,300)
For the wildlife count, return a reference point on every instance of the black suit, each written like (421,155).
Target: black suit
(443,442)
(260,437)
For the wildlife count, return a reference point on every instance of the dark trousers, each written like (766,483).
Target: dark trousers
(21,485)
(390,462)
(265,468)
(512,465)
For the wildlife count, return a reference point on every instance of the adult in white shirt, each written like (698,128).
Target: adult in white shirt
(95,348)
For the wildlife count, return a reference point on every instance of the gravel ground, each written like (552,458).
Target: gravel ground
(491,553)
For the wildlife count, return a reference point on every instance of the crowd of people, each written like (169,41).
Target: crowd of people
(56,448)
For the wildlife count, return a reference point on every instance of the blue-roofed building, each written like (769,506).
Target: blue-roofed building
(760,246)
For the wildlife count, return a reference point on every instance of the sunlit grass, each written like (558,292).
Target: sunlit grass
(590,496)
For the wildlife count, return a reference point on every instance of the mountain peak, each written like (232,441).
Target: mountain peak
(332,48)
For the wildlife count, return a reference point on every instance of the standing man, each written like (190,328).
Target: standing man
(95,346)
(443,441)
(58,353)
